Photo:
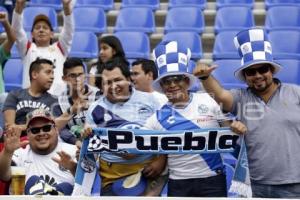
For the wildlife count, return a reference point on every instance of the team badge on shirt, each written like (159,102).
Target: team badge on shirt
(202,109)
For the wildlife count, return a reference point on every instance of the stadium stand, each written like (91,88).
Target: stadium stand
(153,4)
(135,44)
(13,72)
(96,22)
(290,72)
(224,47)
(223,3)
(285,44)
(56,4)
(105,4)
(196,3)
(234,18)
(283,17)
(225,73)
(271,3)
(136,19)
(85,45)
(188,39)
(175,21)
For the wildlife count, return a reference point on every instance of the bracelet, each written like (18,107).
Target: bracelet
(203,78)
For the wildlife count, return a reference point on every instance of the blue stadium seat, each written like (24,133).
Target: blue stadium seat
(223,3)
(271,3)
(105,4)
(225,73)
(283,17)
(56,4)
(153,4)
(176,22)
(95,22)
(285,44)
(135,19)
(2,9)
(188,39)
(31,12)
(14,52)
(290,72)
(135,44)
(196,3)
(224,47)
(233,18)
(85,45)
(13,74)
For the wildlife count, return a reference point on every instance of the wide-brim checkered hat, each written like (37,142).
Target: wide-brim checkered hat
(254,48)
(171,59)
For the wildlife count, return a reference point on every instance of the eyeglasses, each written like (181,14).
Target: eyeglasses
(73,76)
(169,79)
(45,128)
(261,70)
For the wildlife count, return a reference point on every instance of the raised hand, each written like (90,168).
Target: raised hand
(67,6)
(20,5)
(3,17)
(12,139)
(65,160)
(203,70)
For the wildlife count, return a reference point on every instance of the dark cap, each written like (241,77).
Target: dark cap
(38,113)
(41,17)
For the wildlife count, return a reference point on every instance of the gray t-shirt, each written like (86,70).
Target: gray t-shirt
(23,103)
(273,137)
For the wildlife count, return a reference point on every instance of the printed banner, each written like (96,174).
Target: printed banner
(139,141)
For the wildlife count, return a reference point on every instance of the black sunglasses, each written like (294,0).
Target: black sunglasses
(262,70)
(45,128)
(169,79)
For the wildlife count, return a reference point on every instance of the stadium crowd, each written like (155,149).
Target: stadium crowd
(60,103)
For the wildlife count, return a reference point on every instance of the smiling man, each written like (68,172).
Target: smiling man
(270,109)
(49,163)
(190,175)
(121,106)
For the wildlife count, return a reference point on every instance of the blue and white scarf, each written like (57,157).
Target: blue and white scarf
(217,140)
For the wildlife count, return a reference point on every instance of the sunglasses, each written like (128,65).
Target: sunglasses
(170,79)
(261,70)
(45,128)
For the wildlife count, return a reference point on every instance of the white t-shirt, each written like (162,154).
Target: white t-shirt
(42,165)
(203,111)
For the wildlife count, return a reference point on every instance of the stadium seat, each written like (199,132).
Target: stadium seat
(85,45)
(271,3)
(135,44)
(196,3)
(176,22)
(285,44)
(188,39)
(283,17)
(14,52)
(135,19)
(153,4)
(223,3)
(13,74)
(31,12)
(233,18)
(56,4)
(224,46)
(105,4)
(290,72)
(95,22)
(225,73)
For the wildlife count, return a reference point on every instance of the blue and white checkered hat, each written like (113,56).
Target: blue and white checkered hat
(171,59)
(254,48)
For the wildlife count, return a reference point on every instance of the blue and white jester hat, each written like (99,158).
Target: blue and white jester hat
(171,59)
(254,48)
